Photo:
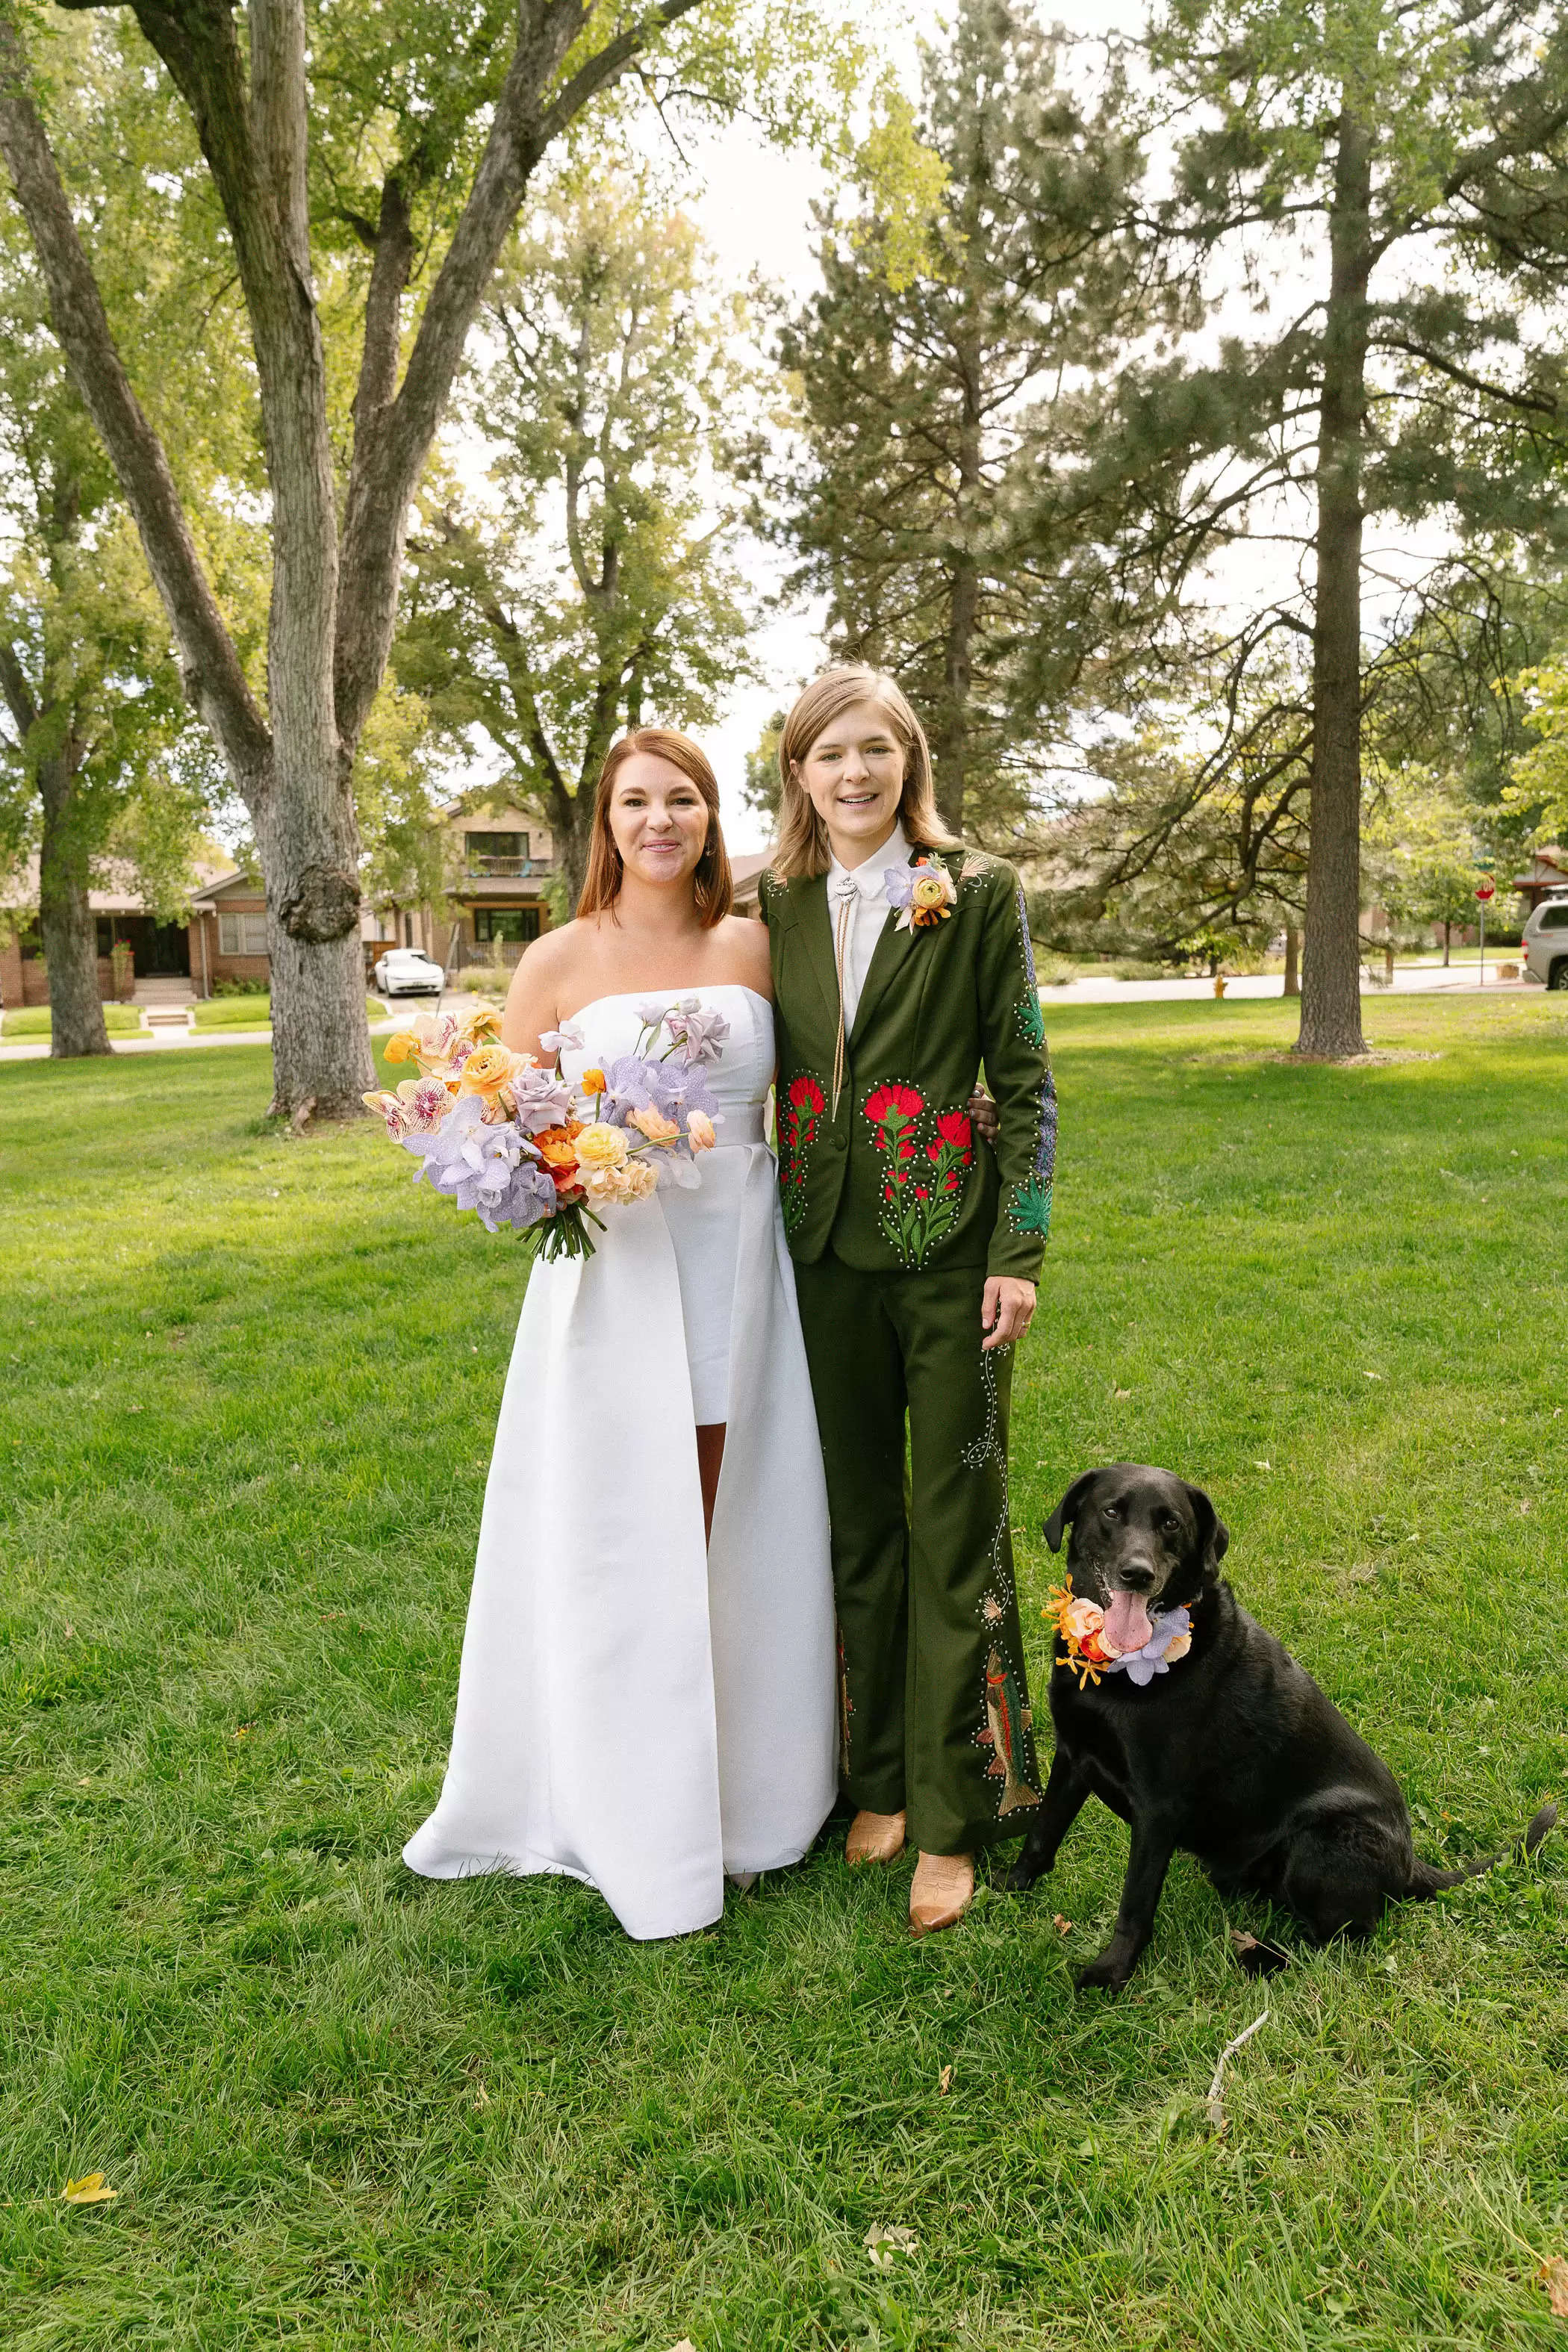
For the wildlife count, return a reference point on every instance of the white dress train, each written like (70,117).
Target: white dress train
(632,1711)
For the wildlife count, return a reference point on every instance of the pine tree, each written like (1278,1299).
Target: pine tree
(1391,182)
(938,375)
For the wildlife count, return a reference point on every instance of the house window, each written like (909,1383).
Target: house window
(497,853)
(505,923)
(242,935)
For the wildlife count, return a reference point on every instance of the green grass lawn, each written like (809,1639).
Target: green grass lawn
(249,1390)
(33,1020)
(253,1012)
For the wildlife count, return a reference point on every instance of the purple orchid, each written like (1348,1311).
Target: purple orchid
(1142,1665)
(899,881)
(653,1014)
(490,1167)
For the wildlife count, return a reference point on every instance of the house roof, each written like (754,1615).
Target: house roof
(117,895)
(1553,858)
(746,872)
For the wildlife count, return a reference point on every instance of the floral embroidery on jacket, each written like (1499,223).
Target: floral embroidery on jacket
(800,1117)
(1031,1021)
(926,1162)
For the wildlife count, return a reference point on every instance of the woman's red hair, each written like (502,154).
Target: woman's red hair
(711,886)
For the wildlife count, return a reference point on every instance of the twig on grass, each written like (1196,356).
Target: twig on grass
(1216,2114)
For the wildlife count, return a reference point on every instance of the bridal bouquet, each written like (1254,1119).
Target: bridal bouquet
(522,1147)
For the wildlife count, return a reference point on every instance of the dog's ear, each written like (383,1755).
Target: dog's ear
(1213,1536)
(1068,1509)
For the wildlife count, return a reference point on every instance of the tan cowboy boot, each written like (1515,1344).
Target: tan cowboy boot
(874,1837)
(942,1890)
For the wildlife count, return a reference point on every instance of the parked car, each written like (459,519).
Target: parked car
(1545,942)
(409,971)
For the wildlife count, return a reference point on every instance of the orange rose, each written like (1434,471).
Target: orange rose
(593,1081)
(555,1149)
(487,1070)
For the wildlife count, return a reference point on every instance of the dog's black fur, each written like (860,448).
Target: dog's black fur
(1234,1755)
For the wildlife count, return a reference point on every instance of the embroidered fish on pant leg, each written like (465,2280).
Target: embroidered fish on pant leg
(1006,1719)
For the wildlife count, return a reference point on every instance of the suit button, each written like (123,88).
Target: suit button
(837,1140)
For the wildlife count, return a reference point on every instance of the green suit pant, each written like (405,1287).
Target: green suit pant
(934,1712)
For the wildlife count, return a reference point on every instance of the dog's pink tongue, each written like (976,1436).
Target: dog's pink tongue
(1127,1627)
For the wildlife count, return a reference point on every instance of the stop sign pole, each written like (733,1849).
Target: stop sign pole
(1486,891)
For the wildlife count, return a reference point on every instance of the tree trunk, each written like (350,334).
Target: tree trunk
(321,1043)
(950,738)
(1448,933)
(1292,961)
(1330,993)
(69,929)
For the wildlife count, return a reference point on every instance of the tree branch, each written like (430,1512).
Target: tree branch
(386,467)
(214,678)
(17,693)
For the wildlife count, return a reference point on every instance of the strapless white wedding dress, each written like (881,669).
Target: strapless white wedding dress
(631,1710)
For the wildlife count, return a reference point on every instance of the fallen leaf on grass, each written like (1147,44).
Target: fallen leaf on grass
(1063,1927)
(944,2080)
(1372,1376)
(884,2245)
(1121,1392)
(1553,2276)
(481,2096)
(685,2345)
(92,2188)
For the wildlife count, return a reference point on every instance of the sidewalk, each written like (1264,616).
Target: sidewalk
(1408,979)
(165,1041)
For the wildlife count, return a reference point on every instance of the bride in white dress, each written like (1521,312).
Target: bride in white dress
(646,1695)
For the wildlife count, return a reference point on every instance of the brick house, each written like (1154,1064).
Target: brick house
(157,951)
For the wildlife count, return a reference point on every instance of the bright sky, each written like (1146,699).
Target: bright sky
(755,209)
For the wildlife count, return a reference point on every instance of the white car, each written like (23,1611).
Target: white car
(1546,941)
(409,971)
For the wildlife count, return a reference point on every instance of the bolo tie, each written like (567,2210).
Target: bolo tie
(846,893)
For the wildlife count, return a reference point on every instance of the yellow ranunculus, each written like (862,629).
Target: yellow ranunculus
(652,1122)
(1178,1647)
(402,1046)
(487,1069)
(593,1081)
(480,1018)
(601,1145)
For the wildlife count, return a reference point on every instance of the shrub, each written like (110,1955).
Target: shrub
(241,988)
(1051,970)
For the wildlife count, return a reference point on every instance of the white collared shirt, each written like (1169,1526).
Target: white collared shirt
(871,912)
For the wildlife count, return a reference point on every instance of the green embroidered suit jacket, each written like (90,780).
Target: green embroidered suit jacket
(898,1179)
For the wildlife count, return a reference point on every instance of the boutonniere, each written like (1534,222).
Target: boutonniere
(923,894)
(1080,1629)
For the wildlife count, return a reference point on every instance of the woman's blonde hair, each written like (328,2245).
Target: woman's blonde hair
(712,885)
(802,847)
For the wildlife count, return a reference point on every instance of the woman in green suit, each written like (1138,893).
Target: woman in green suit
(901,966)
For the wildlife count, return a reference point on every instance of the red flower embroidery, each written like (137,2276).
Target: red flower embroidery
(889,1109)
(801,1116)
(953,1128)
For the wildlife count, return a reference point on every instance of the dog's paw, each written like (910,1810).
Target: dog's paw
(1107,1973)
(1020,1878)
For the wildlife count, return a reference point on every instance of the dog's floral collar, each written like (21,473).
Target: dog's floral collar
(924,894)
(1080,1628)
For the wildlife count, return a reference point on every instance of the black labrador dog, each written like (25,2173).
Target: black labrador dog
(1232,1752)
